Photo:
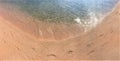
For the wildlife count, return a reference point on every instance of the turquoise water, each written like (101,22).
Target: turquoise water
(64,10)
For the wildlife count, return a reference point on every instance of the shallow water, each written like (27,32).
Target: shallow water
(66,10)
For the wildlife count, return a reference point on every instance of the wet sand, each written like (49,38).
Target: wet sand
(21,40)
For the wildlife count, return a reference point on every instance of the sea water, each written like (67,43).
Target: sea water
(87,13)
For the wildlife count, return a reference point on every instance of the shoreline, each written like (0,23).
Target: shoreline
(36,34)
(113,9)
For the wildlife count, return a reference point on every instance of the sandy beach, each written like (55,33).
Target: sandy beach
(24,39)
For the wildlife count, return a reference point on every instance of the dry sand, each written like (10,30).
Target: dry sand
(22,40)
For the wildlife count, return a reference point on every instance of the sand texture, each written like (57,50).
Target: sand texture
(22,38)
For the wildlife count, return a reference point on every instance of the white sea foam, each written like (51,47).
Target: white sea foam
(89,23)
